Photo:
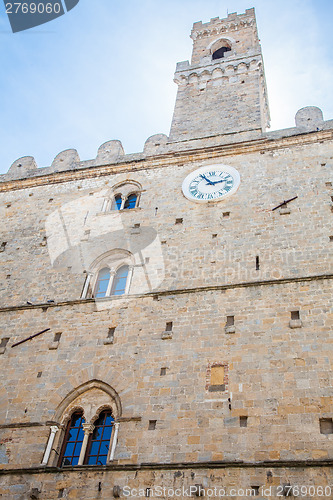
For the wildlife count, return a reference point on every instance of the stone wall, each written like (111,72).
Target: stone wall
(227,481)
(55,231)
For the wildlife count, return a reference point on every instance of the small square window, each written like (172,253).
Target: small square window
(255,490)
(168,326)
(230,320)
(243,421)
(152,425)
(57,337)
(326,425)
(4,342)
(110,337)
(295,315)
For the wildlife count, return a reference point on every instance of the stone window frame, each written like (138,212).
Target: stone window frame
(90,409)
(113,260)
(76,411)
(88,429)
(124,189)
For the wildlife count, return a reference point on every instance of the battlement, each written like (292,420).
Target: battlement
(237,31)
(215,21)
(221,101)
(307,120)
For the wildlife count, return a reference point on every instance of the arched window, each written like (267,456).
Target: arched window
(73,440)
(119,281)
(118,200)
(99,442)
(219,53)
(130,201)
(102,282)
(123,196)
(110,274)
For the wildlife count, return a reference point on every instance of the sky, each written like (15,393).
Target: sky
(105,71)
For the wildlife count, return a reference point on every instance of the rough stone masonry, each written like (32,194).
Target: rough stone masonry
(215,360)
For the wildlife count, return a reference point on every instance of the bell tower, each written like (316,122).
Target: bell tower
(223,90)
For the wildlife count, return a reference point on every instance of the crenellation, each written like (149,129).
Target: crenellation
(65,160)
(112,153)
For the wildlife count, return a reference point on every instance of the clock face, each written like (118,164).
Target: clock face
(211,183)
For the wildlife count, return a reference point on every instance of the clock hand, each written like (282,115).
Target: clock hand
(205,178)
(216,182)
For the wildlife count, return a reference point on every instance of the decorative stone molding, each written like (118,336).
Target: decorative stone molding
(105,407)
(68,414)
(217,30)
(111,398)
(215,70)
(88,428)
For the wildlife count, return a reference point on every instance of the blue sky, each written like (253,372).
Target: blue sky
(105,71)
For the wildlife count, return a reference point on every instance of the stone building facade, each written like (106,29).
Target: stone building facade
(202,329)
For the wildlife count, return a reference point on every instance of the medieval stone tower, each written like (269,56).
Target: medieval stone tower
(224,86)
(166,316)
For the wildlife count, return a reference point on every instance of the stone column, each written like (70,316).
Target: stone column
(86,285)
(54,429)
(108,290)
(114,441)
(129,279)
(88,429)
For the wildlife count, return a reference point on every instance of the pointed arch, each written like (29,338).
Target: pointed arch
(67,405)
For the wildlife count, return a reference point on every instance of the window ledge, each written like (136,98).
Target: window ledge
(284,211)
(109,297)
(216,388)
(54,345)
(108,212)
(295,323)
(166,335)
(108,341)
(230,329)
